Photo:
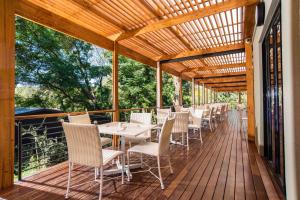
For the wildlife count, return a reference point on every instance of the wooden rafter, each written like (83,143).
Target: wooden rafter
(202,51)
(226,84)
(201,13)
(221,80)
(230,89)
(206,55)
(231,74)
(226,66)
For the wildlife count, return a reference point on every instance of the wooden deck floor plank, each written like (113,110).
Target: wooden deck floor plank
(221,183)
(210,187)
(240,182)
(208,162)
(202,185)
(189,172)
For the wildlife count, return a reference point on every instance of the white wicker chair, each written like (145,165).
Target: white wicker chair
(84,148)
(162,115)
(181,127)
(209,119)
(85,119)
(156,149)
(196,123)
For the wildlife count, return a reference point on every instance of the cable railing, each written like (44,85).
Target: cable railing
(40,141)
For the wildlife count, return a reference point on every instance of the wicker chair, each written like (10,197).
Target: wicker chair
(84,148)
(156,149)
(162,114)
(196,123)
(181,127)
(209,119)
(85,119)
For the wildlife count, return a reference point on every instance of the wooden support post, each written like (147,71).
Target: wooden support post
(7,88)
(199,99)
(180,92)
(203,93)
(115,89)
(206,95)
(193,92)
(239,98)
(159,100)
(250,90)
(115,81)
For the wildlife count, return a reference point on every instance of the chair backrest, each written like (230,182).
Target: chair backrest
(80,119)
(177,108)
(164,137)
(181,122)
(84,144)
(162,114)
(211,112)
(141,118)
(197,118)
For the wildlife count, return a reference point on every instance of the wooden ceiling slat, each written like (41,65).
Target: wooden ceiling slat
(184,18)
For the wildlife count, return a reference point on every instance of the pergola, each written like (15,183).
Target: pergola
(205,41)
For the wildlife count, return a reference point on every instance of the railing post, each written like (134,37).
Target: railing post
(20,151)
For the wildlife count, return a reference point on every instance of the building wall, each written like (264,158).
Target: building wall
(258,81)
(290,11)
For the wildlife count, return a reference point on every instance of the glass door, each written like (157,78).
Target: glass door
(273,106)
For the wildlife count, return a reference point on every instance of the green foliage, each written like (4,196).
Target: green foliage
(61,68)
(186,93)
(168,92)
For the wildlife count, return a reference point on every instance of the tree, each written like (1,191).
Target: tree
(61,68)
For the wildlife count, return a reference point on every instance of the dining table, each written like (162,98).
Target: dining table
(123,130)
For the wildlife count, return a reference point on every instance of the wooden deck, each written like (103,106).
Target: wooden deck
(226,166)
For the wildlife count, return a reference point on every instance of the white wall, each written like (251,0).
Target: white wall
(258,82)
(290,11)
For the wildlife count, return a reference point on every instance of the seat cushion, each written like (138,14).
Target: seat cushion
(149,148)
(105,141)
(109,155)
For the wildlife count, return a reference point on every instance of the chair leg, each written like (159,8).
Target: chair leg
(69,180)
(123,168)
(128,166)
(182,138)
(187,140)
(159,173)
(200,134)
(210,125)
(101,183)
(141,158)
(171,169)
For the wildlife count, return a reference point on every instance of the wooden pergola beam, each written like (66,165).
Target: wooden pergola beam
(226,84)
(216,75)
(201,13)
(231,90)
(222,79)
(205,68)
(206,55)
(199,52)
